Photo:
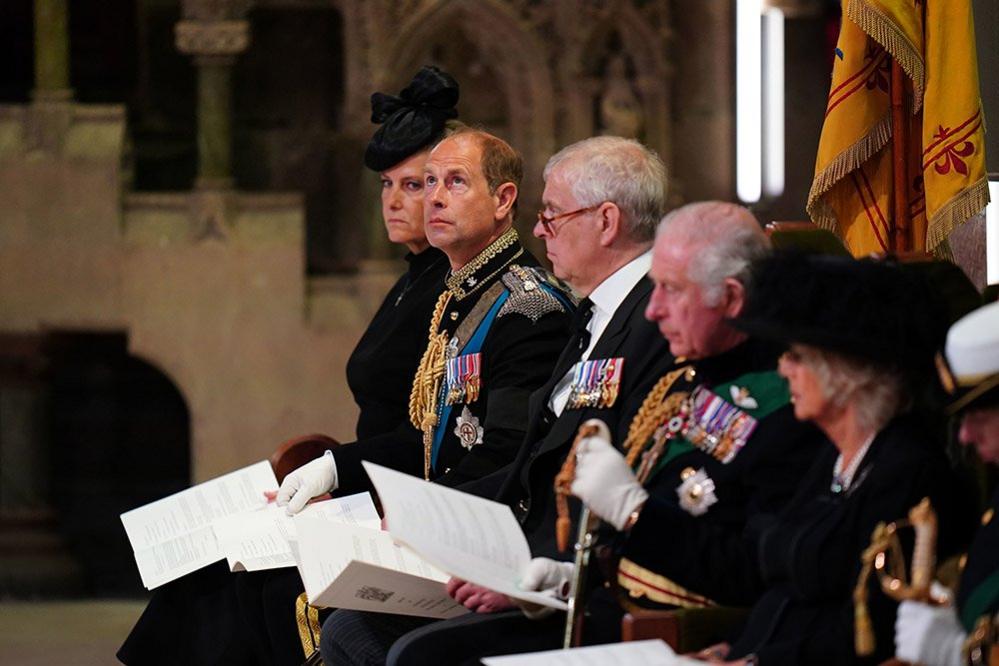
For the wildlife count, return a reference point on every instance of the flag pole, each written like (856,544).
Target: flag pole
(900,231)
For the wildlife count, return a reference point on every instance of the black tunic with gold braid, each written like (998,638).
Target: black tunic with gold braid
(740,476)
(496,333)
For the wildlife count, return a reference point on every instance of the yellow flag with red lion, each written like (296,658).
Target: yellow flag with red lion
(934,42)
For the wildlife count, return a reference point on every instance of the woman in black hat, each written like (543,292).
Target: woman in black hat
(381,367)
(928,634)
(861,339)
(215,617)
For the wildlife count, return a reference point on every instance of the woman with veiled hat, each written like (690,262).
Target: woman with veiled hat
(861,339)
(215,617)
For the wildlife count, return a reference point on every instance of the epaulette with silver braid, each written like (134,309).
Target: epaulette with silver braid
(530,293)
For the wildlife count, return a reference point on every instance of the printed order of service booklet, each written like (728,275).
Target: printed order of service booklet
(226,518)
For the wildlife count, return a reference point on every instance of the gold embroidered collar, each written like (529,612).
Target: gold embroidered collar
(467,280)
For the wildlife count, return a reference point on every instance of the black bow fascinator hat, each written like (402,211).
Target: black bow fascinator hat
(881,312)
(413,120)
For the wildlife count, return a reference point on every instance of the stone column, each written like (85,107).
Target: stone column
(51,51)
(214,45)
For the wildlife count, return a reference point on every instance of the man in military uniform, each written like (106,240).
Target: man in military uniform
(495,334)
(738,453)
(968,631)
(603,198)
(717,435)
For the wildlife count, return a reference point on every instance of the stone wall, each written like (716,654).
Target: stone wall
(209,287)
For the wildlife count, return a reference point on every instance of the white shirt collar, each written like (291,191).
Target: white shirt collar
(609,294)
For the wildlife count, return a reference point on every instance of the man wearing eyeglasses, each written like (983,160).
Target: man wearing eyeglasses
(603,198)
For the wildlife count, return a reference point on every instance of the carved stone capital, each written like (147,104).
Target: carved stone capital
(212,38)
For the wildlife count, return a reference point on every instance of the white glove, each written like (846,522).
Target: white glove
(604,481)
(310,480)
(929,635)
(542,573)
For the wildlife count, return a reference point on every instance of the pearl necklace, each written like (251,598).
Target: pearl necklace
(843,478)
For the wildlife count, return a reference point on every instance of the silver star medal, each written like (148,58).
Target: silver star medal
(468,430)
(697,492)
(741,397)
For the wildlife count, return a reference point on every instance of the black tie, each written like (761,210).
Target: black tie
(573,351)
(577,342)
(581,334)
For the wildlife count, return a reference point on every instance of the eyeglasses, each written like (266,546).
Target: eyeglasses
(549,222)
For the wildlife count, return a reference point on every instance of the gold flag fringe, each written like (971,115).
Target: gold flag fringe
(886,33)
(842,165)
(962,206)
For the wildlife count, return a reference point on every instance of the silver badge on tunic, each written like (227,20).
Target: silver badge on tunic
(468,430)
(697,493)
(741,397)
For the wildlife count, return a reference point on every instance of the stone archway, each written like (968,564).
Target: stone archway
(119,437)
(505,44)
(87,431)
(616,37)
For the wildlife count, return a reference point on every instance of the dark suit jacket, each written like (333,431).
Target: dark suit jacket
(527,484)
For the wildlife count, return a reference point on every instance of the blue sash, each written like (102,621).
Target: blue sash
(474,346)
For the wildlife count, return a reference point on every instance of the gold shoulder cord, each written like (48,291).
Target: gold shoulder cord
(427,382)
(654,410)
(658,404)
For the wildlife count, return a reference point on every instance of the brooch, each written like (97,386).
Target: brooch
(697,492)
(741,397)
(468,430)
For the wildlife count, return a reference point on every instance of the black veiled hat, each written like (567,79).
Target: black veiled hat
(880,311)
(413,120)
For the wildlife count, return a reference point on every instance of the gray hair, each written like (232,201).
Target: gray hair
(878,394)
(622,171)
(724,239)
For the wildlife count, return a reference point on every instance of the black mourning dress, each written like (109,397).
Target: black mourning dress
(198,619)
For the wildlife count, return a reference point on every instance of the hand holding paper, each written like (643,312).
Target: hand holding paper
(469,537)
(476,598)
(310,480)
